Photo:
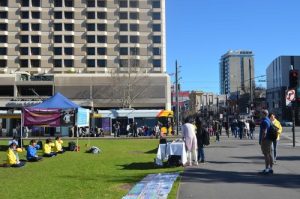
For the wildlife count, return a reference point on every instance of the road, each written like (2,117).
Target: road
(231,172)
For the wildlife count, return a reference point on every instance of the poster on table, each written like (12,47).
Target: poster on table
(83,117)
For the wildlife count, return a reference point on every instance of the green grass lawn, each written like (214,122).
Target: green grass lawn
(74,175)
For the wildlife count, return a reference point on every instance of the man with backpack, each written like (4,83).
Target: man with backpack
(265,143)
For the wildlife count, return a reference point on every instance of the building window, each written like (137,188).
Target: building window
(3,63)
(69,27)
(23,51)
(101,39)
(91,51)
(57,39)
(24,26)
(156,39)
(35,27)
(156,28)
(36,3)
(58,15)
(24,15)
(91,3)
(123,39)
(134,4)
(101,51)
(90,63)
(101,63)
(155,4)
(3,15)
(35,63)
(123,63)
(134,27)
(101,15)
(134,39)
(157,63)
(35,15)
(134,15)
(123,51)
(69,39)
(35,39)
(57,3)
(90,39)
(101,27)
(57,63)
(123,27)
(58,27)
(69,51)
(3,39)
(3,3)
(134,63)
(91,15)
(24,63)
(3,51)
(69,15)
(57,51)
(123,4)
(68,63)
(23,39)
(3,26)
(156,51)
(25,3)
(90,27)
(35,51)
(156,16)
(123,15)
(101,3)
(134,51)
(69,3)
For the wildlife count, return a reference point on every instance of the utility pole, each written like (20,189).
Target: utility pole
(177,102)
(250,78)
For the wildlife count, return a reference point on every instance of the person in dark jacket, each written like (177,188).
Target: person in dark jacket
(200,139)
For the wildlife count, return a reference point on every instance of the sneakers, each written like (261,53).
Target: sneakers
(271,171)
(266,172)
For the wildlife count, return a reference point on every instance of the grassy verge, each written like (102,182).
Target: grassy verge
(109,175)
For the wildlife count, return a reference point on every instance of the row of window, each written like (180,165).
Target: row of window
(68,63)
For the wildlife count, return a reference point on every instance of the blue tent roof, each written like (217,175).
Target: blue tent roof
(57,101)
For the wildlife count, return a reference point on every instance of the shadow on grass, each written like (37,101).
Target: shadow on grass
(139,166)
(3,147)
(153,151)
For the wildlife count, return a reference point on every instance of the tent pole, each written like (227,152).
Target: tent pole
(21,139)
(77,138)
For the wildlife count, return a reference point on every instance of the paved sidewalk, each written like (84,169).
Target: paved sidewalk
(232,173)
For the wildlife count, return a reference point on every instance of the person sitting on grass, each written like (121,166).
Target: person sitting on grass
(48,148)
(58,145)
(31,151)
(13,157)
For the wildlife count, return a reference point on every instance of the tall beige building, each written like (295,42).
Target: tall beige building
(99,53)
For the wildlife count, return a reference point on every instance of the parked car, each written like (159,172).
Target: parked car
(286,123)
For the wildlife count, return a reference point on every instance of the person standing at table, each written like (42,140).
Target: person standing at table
(190,139)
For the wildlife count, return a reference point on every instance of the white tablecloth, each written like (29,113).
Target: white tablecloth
(174,148)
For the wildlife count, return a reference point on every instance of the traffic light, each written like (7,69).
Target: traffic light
(293,77)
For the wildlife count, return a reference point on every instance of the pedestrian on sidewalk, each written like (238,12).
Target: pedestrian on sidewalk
(275,142)
(252,128)
(200,139)
(190,139)
(265,142)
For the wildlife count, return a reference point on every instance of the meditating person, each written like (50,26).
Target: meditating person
(58,145)
(48,148)
(31,151)
(13,157)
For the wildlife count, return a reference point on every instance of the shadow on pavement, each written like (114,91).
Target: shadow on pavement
(213,176)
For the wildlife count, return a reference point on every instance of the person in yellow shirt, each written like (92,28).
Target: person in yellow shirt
(12,156)
(58,145)
(47,148)
(275,142)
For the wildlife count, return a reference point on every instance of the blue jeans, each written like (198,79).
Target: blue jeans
(274,149)
(201,156)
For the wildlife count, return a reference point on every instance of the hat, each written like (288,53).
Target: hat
(265,112)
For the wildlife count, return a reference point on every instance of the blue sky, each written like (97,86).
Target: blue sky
(199,32)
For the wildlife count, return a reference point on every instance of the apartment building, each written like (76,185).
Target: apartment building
(99,53)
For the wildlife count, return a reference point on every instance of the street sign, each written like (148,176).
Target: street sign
(290,96)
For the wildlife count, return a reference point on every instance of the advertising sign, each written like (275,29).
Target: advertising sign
(83,117)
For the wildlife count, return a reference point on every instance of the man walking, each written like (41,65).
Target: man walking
(265,143)
(275,142)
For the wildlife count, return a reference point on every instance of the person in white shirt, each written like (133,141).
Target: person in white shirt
(190,139)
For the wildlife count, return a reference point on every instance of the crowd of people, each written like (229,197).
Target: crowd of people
(50,149)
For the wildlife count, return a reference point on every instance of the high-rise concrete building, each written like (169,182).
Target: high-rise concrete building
(98,53)
(236,72)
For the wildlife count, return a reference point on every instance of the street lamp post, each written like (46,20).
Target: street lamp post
(177,101)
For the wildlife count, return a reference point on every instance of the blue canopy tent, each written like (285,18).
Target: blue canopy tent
(56,103)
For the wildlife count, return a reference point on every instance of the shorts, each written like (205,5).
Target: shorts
(266,146)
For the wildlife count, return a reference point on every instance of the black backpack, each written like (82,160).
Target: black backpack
(273,132)
(206,137)
(174,161)
(40,143)
(72,146)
